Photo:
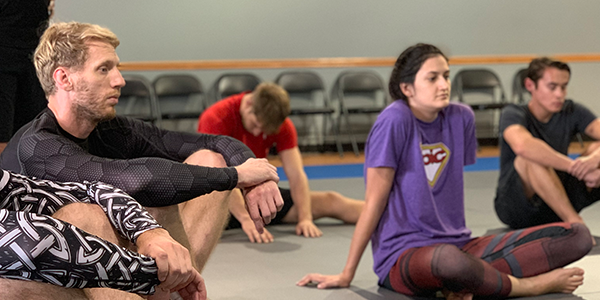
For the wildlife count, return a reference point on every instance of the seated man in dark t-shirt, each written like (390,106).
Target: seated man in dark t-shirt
(538,182)
(184,180)
(260,120)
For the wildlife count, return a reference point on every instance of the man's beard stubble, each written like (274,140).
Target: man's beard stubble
(86,106)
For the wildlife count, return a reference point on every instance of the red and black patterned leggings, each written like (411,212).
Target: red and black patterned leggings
(482,266)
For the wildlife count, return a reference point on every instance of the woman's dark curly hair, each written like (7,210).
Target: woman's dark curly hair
(408,64)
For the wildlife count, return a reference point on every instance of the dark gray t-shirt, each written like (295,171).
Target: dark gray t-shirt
(558,132)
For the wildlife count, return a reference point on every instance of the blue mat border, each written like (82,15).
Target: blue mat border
(356,170)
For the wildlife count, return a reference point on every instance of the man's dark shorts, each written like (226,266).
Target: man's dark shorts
(287,205)
(516,211)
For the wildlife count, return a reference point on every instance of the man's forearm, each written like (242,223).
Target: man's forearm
(301,197)
(126,215)
(46,197)
(541,153)
(234,152)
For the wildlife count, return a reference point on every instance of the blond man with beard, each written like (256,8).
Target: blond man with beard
(184,180)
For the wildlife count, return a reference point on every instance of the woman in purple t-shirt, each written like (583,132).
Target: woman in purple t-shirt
(414,211)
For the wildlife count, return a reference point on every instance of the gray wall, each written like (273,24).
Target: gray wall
(152,30)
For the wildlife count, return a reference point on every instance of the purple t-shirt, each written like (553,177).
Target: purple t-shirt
(425,205)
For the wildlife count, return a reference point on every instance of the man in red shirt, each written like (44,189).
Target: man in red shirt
(260,120)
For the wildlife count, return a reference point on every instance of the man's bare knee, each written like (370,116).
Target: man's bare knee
(521,165)
(206,158)
(590,148)
(322,203)
(525,167)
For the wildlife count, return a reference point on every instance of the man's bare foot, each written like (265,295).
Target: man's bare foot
(556,281)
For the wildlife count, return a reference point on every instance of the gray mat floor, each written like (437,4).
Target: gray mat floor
(241,270)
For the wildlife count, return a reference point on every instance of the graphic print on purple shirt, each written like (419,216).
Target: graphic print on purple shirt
(435,157)
(420,213)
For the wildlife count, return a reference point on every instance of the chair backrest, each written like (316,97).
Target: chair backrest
(180,93)
(138,100)
(483,84)
(303,87)
(361,95)
(234,83)
(300,81)
(479,87)
(310,109)
(180,100)
(177,85)
(364,83)
(519,92)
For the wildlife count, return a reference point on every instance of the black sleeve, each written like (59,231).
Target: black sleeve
(233,151)
(155,178)
(133,138)
(510,115)
(44,249)
(126,215)
(582,116)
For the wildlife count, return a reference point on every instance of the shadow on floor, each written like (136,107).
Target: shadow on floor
(371,293)
(379,293)
(596,249)
(383,293)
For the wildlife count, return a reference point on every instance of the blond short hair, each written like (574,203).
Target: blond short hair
(64,45)
(271,105)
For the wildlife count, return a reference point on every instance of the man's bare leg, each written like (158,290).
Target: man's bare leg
(12,289)
(169,218)
(197,224)
(92,219)
(205,217)
(329,204)
(544,182)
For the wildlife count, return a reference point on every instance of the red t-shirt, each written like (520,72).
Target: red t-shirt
(224,118)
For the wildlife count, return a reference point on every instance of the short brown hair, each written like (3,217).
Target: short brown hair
(271,105)
(539,65)
(64,45)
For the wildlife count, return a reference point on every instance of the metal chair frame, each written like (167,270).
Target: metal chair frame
(138,86)
(357,82)
(306,82)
